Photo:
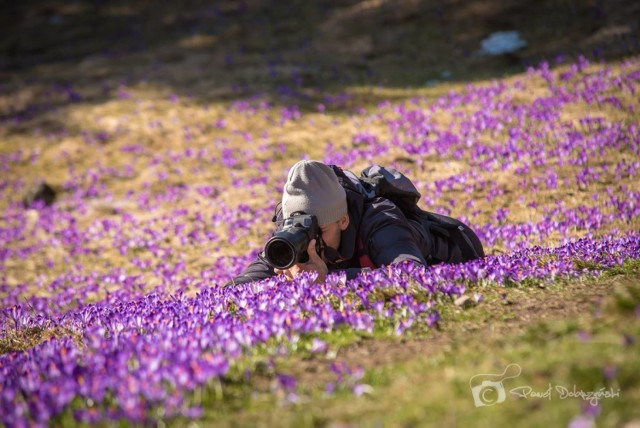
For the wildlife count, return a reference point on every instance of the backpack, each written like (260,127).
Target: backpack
(452,240)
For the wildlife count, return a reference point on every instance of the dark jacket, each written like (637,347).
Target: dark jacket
(387,237)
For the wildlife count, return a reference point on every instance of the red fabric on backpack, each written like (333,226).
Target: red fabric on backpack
(364,260)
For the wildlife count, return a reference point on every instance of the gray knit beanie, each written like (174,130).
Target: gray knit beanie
(312,187)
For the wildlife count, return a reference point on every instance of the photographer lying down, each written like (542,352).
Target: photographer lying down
(331,220)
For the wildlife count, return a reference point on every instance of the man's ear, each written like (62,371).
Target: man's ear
(344,221)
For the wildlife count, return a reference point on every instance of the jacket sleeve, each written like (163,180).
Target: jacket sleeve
(259,269)
(391,238)
(256,271)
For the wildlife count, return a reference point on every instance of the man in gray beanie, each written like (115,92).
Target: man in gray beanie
(359,229)
(313,188)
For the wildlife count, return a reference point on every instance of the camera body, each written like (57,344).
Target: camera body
(288,246)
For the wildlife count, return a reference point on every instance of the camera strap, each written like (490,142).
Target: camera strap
(332,255)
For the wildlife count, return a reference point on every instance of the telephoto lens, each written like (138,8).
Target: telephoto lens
(289,245)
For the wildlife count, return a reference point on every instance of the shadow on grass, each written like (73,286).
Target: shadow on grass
(295,52)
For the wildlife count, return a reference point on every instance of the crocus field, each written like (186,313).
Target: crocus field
(112,302)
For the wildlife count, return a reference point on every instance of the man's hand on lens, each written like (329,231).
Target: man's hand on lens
(315,264)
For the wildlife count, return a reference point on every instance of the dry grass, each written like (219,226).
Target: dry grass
(26,338)
(130,122)
(175,104)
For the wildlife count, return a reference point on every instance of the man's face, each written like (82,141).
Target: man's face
(331,232)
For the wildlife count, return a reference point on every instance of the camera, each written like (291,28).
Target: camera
(288,246)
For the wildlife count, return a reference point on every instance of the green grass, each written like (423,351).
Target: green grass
(592,345)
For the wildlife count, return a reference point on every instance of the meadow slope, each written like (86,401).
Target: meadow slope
(112,305)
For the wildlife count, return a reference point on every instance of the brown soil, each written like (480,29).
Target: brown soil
(501,315)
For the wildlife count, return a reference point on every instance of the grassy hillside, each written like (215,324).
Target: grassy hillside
(166,134)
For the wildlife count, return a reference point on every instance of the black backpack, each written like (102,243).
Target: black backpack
(453,241)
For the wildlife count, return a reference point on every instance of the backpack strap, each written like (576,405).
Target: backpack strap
(350,182)
(393,185)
